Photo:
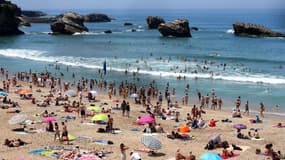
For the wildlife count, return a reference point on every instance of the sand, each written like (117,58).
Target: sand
(130,138)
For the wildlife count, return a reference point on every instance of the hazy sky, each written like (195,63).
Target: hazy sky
(147,4)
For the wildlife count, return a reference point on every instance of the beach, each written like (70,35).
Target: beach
(132,139)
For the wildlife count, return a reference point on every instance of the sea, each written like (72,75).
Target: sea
(214,59)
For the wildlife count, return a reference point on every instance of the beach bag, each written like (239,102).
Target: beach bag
(101,130)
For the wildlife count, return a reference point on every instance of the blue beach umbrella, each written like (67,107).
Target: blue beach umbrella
(3,93)
(134,95)
(210,156)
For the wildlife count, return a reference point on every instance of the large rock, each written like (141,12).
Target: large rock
(96,17)
(23,22)
(39,19)
(33,13)
(177,28)
(68,23)
(154,21)
(253,30)
(8,18)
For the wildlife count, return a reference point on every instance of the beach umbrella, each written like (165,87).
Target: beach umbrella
(210,156)
(3,93)
(151,143)
(134,95)
(18,119)
(145,119)
(49,119)
(94,108)
(93,92)
(71,93)
(239,126)
(184,129)
(24,91)
(100,117)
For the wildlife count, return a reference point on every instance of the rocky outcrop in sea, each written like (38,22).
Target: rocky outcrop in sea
(96,17)
(8,18)
(253,30)
(68,23)
(154,21)
(176,28)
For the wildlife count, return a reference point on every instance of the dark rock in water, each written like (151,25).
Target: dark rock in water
(154,21)
(176,28)
(194,29)
(33,13)
(128,24)
(69,23)
(108,31)
(133,30)
(23,22)
(39,19)
(253,30)
(8,18)
(96,17)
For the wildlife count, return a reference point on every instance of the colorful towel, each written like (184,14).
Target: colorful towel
(224,157)
(102,142)
(37,151)
(82,138)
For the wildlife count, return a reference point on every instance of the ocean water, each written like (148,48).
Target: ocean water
(255,67)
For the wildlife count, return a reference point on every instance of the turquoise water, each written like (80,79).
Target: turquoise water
(255,67)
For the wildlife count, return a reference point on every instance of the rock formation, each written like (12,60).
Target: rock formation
(154,21)
(68,23)
(177,28)
(33,13)
(253,30)
(8,18)
(108,31)
(128,24)
(96,17)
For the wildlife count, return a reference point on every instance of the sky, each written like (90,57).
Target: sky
(149,4)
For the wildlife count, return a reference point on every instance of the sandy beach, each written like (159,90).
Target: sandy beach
(132,139)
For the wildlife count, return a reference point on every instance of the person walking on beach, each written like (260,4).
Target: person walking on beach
(82,112)
(123,150)
(123,107)
(220,102)
(238,103)
(128,107)
(110,123)
(56,132)
(246,108)
(262,109)
(64,135)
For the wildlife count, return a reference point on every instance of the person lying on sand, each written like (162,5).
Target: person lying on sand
(178,155)
(14,142)
(227,153)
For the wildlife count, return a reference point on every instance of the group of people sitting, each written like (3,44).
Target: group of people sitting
(269,151)
(14,142)
(249,136)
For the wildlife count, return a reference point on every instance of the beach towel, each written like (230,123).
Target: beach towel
(22,133)
(82,138)
(276,126)
(37,151)
(114,131)
(150,134)
(135,129)
(224,157)
(103,142)
(257,139)
(88,124)
(142,150)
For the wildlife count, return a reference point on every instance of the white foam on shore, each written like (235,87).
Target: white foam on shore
(119,65)
(231,31)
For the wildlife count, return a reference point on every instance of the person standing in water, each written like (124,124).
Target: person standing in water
(262,109)
(246,108)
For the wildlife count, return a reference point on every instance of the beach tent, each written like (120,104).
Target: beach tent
(184,129)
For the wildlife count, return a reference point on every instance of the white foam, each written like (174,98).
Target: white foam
(231,31)
(159,68)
